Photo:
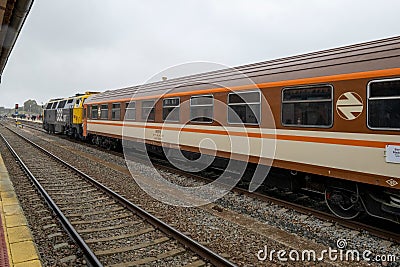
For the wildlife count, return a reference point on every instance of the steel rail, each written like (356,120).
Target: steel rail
(193,245)
(89,255)
(34,128)
(355,225)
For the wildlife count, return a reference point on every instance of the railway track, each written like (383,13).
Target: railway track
(28,124)
(108,228)
(317,213)
(321,214)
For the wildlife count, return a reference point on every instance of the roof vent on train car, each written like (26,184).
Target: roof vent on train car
(164,78)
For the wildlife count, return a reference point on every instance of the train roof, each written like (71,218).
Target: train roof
(77,95)
(54,99)
(368,56)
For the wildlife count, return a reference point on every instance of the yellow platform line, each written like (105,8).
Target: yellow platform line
(21,248)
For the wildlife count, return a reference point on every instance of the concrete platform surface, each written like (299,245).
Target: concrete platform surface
(17,247)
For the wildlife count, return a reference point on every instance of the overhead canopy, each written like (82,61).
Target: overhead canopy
(12,15)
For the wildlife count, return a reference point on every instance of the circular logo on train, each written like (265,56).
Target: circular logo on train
(349,106)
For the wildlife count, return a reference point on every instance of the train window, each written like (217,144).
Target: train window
(54,105)
(116,111)
(95,112)
(148,110)
(78,101)
(384,104)
(61,104)
(49,105)
(307,106)
(130,111)
(244,107)
(171,109)
(104,112)
(201,108)
(70,101)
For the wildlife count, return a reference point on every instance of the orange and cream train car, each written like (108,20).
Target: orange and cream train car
(333,117)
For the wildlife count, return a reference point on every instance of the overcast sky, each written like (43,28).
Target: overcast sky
(72,46)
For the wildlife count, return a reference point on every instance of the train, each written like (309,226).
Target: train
(65,115)
(326,121)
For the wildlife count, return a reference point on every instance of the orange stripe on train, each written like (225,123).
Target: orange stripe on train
(309,139)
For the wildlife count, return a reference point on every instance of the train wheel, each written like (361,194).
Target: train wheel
(107,145)
(342,202)
(75,135)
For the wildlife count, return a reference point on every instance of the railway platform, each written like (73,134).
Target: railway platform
(17,247)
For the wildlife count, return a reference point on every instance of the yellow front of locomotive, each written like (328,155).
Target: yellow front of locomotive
(78,107)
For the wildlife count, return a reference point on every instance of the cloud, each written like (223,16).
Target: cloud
(73,46)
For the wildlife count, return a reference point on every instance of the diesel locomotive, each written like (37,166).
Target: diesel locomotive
(65,115)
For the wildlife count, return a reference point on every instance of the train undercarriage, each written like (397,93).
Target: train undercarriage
(74,130)
(348,200)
